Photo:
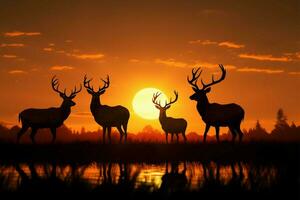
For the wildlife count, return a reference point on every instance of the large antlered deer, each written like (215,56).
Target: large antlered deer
(214,114)
(169,124)
(107,116)
(51,118)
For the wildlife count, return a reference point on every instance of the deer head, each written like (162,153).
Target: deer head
(67,100)
(167,104)
(90,89)
(200,93)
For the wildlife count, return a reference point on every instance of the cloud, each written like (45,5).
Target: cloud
(68,41)
(231,45)
(294,73)
(48,49)
(227,44)
(212,65)
(60,51)
(202,42)
(61,67)
(260,70)
(19,33)
(17,71)
(171,62)
(9,56)
(51,44)
(265,57)
(82,115)
(134,60)
(12,45)
(88,56)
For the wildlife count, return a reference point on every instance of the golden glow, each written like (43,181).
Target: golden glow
(142,103)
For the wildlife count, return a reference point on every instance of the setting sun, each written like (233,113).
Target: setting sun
(142,103)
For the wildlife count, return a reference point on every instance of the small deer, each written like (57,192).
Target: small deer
(107,116)
(51,118)
(214,114)
(169,124)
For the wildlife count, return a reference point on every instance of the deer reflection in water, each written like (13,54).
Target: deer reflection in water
(134,177)
(175,180)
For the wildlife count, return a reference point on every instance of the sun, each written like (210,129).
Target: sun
(142,103)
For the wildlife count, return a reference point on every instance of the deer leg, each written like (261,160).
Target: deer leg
(166,137)
(232,130)
(121,133)
(32,135)
(125,131)
(53,131)
(217,133)
(240,133)
(205,132)
(104,131)
(184,137)
(21,132)
(177,137)
(109,134)
(172,135)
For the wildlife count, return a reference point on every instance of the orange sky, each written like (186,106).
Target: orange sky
(151,44)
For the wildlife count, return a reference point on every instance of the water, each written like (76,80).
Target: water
(168,177)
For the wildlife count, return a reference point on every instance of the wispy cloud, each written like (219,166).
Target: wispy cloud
(260,70)
(20,33)
(48,49)
(231,45)
(265,57)
(12,45)
(51,44)
(171,62)
(9,56)
(61,68)
(133,60)
(212,65)
(227,44)
(88,56)
(17,71)
(82,115)
(202,42)
(294,73)
(68,41)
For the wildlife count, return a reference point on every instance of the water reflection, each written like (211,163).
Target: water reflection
(165,177)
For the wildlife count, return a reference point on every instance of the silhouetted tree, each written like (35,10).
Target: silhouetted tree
(258,132)
(281,122)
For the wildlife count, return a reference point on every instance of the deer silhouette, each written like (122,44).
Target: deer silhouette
(169,124)
(51,118)
(214,114)
(107,116)
(174,180)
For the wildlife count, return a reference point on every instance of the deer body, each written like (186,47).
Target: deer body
(107,116)
(44,118)
(223,115)
(169,124)
(214,114)
(51,118)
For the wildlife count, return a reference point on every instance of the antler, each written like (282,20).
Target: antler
(86,84)
(213,81)
(106,83)
(75,91)
(154,99)
(194,79)
(171,102)
(55,85)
